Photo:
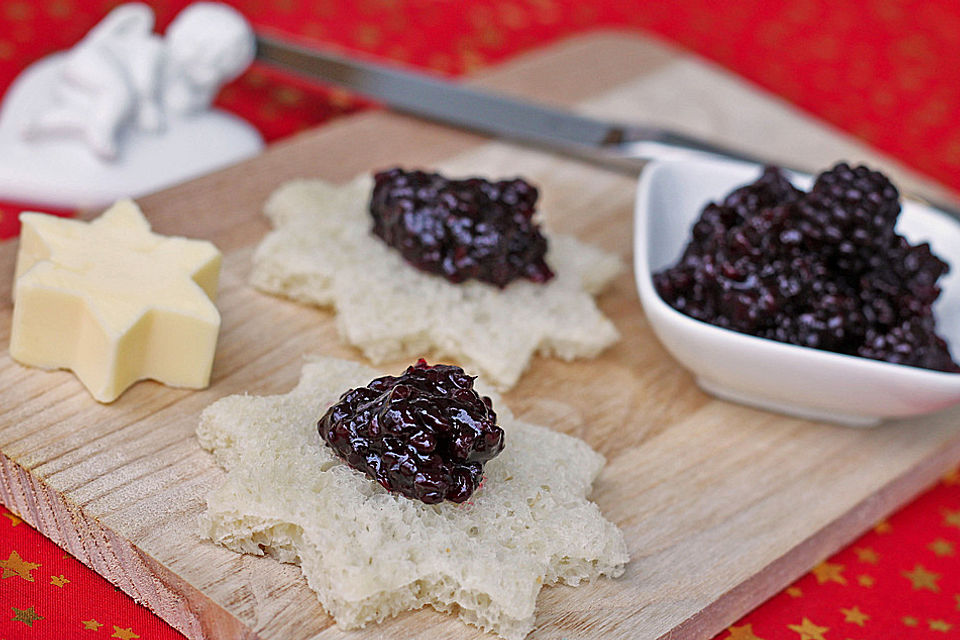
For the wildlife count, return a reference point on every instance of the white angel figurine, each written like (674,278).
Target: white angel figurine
(207,45)
(110,78)
(122,73)
(126,111)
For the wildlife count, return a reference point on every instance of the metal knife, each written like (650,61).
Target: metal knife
(620,145)
(626,147)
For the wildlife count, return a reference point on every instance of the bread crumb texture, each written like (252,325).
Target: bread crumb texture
(370,554)
(321,252)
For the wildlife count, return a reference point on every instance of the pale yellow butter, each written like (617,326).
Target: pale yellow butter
(114,302)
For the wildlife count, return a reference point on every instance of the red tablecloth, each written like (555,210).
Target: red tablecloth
(884,70)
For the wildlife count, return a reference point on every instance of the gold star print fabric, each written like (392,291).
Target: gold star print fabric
(899,580)
(47,594)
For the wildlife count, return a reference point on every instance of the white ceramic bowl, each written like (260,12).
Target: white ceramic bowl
(781,377)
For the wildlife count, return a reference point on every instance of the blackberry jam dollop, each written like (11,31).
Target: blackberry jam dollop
(424,434)
(461,229)
(823,269)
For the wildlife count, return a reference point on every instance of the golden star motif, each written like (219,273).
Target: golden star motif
(866,554)
(742,633)
(829,572)
(854,616)
(17,566)
(865,580)
(794,592)
(123,634)
(26,616)
(939,625)
(59,580)
(956,599)
(127,286)
(910,621)
(808,630)
(920,578)
(91,624)
(951,477)
(14,520)
(951,518)
(882,527)
(941,547)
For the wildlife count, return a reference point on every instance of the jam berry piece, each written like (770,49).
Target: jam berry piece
(912,342)
(824,269)
(424,434)
(851,213)
(860,198)
(771,189)
(461,229)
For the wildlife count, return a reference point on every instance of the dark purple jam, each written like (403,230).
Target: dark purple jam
(424,434)
(823,269)
(461,229)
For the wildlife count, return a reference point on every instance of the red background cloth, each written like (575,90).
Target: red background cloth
(884,70)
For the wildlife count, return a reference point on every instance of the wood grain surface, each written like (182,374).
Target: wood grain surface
(721,505)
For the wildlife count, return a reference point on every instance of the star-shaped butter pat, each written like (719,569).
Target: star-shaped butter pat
(114,302)
(370,554)
(322,252)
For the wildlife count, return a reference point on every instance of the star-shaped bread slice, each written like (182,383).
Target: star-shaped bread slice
(114,302)
(321,252)
(370,554)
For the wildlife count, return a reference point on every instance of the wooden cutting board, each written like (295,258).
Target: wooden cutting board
(721,505)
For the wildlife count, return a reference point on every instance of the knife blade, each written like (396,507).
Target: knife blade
(625,147)
(622,146)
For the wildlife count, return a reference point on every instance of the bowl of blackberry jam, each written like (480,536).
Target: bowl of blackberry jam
(825,297)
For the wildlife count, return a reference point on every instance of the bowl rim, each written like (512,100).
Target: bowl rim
(650,297)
